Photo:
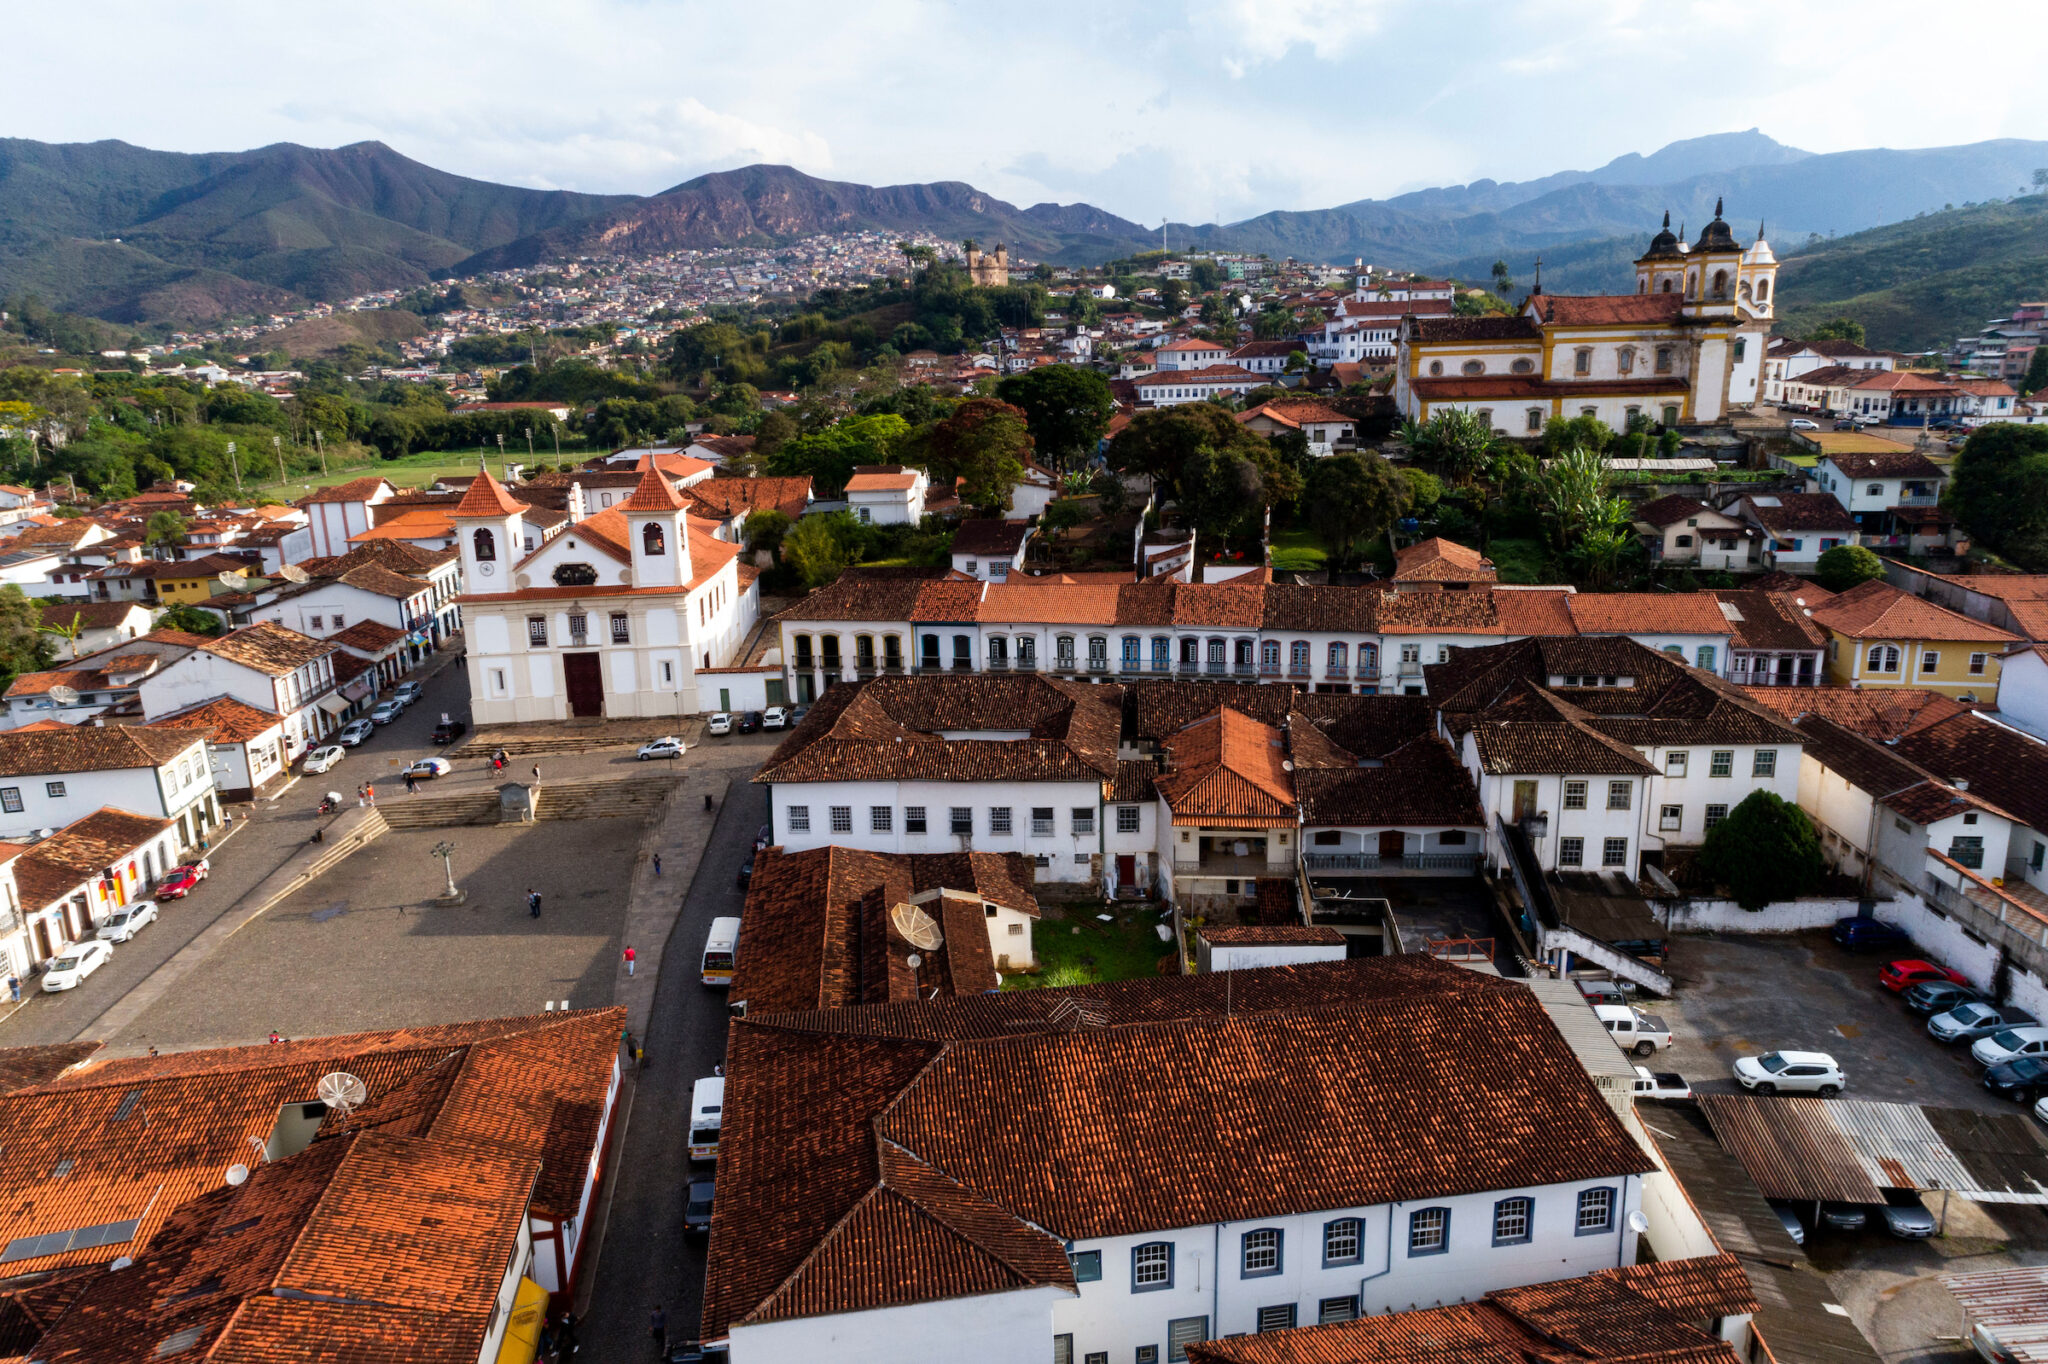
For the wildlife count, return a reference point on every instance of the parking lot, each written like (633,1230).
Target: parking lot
(1742,996)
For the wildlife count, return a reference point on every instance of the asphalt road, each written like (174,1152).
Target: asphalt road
(646,1260)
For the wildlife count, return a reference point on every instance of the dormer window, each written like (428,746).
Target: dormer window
(652,541)
(486,544)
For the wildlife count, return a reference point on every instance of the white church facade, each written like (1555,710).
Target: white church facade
(614,615)
(1685,349)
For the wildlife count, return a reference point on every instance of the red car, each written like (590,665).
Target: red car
(1901,976)
(181,881)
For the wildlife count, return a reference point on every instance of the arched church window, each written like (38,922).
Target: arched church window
(652,541)
(486,544)
(1763,291)
(1667,287)
(1720,284)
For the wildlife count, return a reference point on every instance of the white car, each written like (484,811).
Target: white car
(721,723)
(79,961)
(408,692)
(670,747)
(2009,1044)
(384,712)
(320,759)
(1802,424)
(355,731)
(1660,1084)
(124,924)
(1804,1072)
(775,717)
(2041,1108)
(429,768)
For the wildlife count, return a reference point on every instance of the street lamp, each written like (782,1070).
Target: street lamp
(446,852)
(236,466)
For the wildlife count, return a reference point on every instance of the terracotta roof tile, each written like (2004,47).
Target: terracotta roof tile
(1439,560)
(1878,713)
(355,490)
(1227,766)
(268,648)
(486,497)
(88,748)
(1877,610)
(1647,613)
(652,494)
(368,636)
(225,720)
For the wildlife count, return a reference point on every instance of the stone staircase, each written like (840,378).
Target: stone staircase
(436,812)
(634,797)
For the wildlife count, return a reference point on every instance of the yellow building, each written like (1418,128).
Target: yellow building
(1879,636)
(160,583)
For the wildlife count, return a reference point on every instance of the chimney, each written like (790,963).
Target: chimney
(1961,783)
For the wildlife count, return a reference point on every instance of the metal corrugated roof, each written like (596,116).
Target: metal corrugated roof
(2012,1303)
(1582,1030)
(1848,1151)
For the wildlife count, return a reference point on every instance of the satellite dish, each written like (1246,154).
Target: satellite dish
(292,573)
(237,1175)
(122,1263)
(63,695)
(340,1090)
(918,928)
(1638,1223)
(229,578)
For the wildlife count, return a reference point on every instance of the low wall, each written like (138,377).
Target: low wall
(1725,916)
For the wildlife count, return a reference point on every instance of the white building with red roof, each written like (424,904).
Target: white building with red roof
(612,616)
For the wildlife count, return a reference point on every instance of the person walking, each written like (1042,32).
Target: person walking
(657,864)
(536,771)
(362,798)
(657,1326)
(629,961)
(412,787)
(533,902)
(14,988)
(370,790)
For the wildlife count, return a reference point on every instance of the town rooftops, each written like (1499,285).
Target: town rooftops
(1877,610)
(355,490)
(2000,764)
(1208,374)
(1671,509)
(382,1235)
(82,851)
(224,719)
(87,748)
(819,929)
(1605,310)
(206,566)
(882,478)
(1647,613)
(723,498)
(268,648)
(1002,1126)
(487,497)
(1787,513)
(1192,344)
(1520,327)
(989,538)
(1770,620)
(1297,413)
(1902,462)
(1875,712)
(1438,560)
(1645,1314)
(1228,767)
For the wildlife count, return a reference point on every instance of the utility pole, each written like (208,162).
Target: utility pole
(320,445)
(277,448)
(501,457)
(233,464)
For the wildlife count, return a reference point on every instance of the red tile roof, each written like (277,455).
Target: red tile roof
(1877,610)
(486,497)
(653,494)
(1439,560)
(1606,310)
(355,490)
(225,720)
(1227,767)
(1647,613)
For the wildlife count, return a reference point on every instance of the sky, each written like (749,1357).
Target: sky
(1203,110)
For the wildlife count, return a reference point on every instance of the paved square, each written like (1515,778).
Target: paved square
(365,947)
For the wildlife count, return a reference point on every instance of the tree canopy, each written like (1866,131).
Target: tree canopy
(984,445)
(1847,566)
(829,456)
(1067,407)
(1764,851)
(1999,489)
(1352,497)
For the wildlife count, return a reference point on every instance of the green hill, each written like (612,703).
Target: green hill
(1922,283)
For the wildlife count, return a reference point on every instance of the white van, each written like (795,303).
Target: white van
(707,1108)
(720,945)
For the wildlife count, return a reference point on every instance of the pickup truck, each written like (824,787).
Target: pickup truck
(1665,1084)
(1632,1029)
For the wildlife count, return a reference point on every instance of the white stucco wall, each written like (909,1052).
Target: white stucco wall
(1069,856)
(995,1328)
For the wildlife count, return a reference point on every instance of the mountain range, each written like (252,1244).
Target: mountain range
(133,235)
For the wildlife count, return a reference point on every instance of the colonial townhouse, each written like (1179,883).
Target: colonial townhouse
(348,1251)
(393,584)
(104,684)
(834,926)
(1882,490)
(1012,1202)
(1437,564)
(1322,426)
(160,582)
(887,494)
(670,599)
(53,777)
(1599,751)
(70,882)
(1879,636)
(1775,641)
(1797,528)
(1685,348)
(1190,353)
(1684,530)
(245,747)
(2000,764)
(1170,387)
(989,550)
(1788,359)
(1692,626)
(337,513)
(730,501)
(265,666)
(1260,357)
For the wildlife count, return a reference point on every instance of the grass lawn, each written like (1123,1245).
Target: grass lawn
(1080,949)
(1517,561)
(1299,550)
(411,471)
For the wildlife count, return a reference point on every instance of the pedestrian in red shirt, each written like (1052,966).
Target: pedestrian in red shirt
(629,961)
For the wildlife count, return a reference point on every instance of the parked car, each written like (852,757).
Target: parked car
(1860,934)
(181,881)
(79,961)
(1900,976)
(1804,1072)
(448,731)
(1978,1018)
(126,922)
(426,769)
(796,717)
(775,717)
(2041,1110)
(2022,1079)
(1931,997)
(1633,1029)
(1602,992)
(384,712)
(1803,424)
(355,731)
(719,723)
(697,1205)
(318,760)
(408,692)
(1660,1085)
(1788,1219)
(2009,1043)
(747,870)
(1905,1216)
(1844,1216)
(1845,423)
(750,722)
(670,747)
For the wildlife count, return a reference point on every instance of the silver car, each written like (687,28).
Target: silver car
(1967,1022)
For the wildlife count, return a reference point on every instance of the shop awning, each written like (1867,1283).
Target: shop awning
(334,705)
(522,1333)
